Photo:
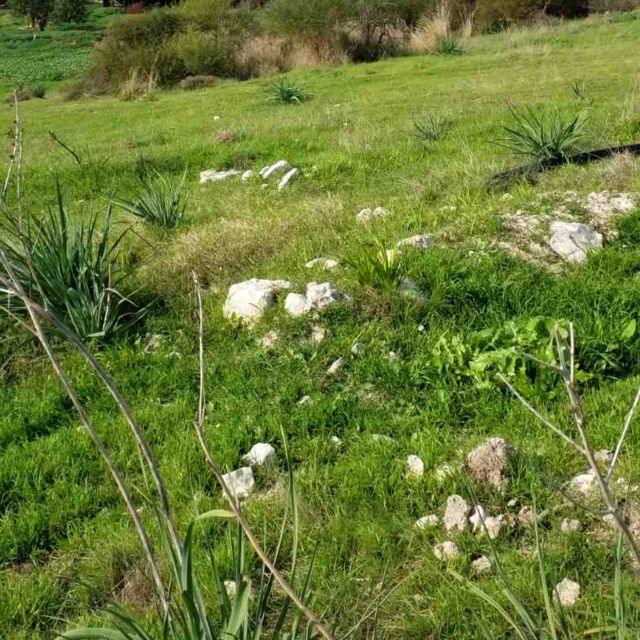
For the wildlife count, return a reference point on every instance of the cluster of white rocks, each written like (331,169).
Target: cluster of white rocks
(266,173)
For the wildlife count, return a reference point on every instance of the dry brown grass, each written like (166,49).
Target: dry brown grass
(263,55)
(431,30)
(139,85)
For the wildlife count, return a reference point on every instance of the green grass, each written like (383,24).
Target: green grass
(66,546)
(59,53)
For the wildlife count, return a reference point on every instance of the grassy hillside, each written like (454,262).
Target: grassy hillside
(67,548)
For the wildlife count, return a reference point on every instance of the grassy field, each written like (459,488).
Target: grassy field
(67,548)
(58,53)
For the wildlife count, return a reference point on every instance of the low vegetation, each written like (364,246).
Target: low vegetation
(357,388)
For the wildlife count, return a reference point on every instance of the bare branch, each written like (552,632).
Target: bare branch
(235,507)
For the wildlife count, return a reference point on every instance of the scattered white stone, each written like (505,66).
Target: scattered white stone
(260,454)
(325,263)
(514,502)
(566,593)
(240,482)
(482,565)
(269,340)
(489,463)
(392,355)
(287,178)
(413,466)
(420,242)
(572,241)
(211,175)
(231,588)
(318,333)
(270,170)
(568,525)
(585,485)
(248,300)
(525,517)
(247,175)
(337,443)
(493,525)
(304,400)
(447,550)
(427,522)
(369,214)
(444,472)
(295,304)
(603,203)
(456,515)
(604,456)
(335,366)
(358,348)
(411,290)
(152,342)
(322,295)
(216,118)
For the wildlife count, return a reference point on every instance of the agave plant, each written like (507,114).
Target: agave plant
(378,267)
(70,270)
(544,135)
(287,91)
(158,199)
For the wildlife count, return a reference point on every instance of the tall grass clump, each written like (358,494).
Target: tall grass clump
(158,200)
(544,136)
(287,91)
(432,127)
(378,267)
(70,270)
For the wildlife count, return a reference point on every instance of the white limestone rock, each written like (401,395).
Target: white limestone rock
(584,485)
(273,169)
(248,300)
(427,522)
(419,241)
(447,550)
(260,454)
(325,263)
(296,304)
(270,339)
(489,463)
(413,466)
(365,215)
(569,525)
(566,593)
(456,515)
(482,565)
(240,482)
(358,348)
(287,178)
(247,175)
(323,295)
(336,365)
(212,175)
(572,241)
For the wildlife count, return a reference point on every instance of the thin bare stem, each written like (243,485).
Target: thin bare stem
(540,417)
(623,434)
(35,313)
(14,152)
(235,507)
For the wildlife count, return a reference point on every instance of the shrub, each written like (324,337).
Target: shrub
(38,90)
(69,11)
(71,271)
(378,267)
(157,200)
(544,135)
(202,53)
(197,82)
(287,91)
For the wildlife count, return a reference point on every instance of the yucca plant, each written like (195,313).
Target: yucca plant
(449,46)
(432,127)
(70,270)
(157,199)
(241,613)
(287,91)
(378,267)
(544,135)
